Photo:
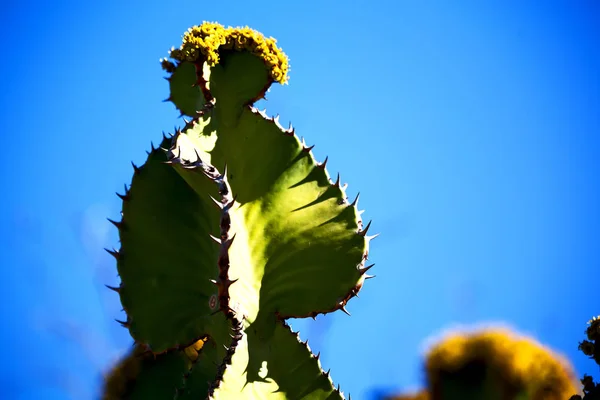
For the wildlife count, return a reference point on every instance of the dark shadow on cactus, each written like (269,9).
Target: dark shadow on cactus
(340,217)
(315,175)
(329,193)
(245,148)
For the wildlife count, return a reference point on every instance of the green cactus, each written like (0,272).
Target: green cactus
(227,230)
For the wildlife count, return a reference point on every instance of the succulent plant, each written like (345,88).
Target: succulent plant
(229,228)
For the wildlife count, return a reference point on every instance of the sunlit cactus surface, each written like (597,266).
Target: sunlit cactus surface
(229,228)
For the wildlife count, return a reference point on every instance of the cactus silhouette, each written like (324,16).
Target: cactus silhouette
(228,229)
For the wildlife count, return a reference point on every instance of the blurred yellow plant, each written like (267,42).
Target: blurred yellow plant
(514,364)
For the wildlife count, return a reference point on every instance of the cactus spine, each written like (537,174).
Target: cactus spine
(230,228)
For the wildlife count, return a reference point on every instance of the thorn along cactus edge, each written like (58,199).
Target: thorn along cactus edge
(228,229)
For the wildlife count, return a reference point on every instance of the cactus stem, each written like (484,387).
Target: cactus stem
(364,231)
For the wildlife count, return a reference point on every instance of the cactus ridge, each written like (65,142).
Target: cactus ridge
(236,337)
(224,240)
(225,255)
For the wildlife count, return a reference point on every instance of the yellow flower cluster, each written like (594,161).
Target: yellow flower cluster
(519,361)
(203,42)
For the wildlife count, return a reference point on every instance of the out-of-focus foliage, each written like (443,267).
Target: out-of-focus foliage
(494,363)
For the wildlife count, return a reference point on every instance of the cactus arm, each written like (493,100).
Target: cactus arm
(288,370)
(186,98)
(165,263)
(296,235)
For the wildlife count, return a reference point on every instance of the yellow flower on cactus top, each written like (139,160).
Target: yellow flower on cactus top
(516,361)
(203,43)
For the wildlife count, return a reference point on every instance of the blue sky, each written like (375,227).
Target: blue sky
(470,131)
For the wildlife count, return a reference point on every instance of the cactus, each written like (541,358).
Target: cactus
(494,364)
(228,229)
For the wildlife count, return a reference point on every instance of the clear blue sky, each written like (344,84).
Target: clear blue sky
(471,132)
